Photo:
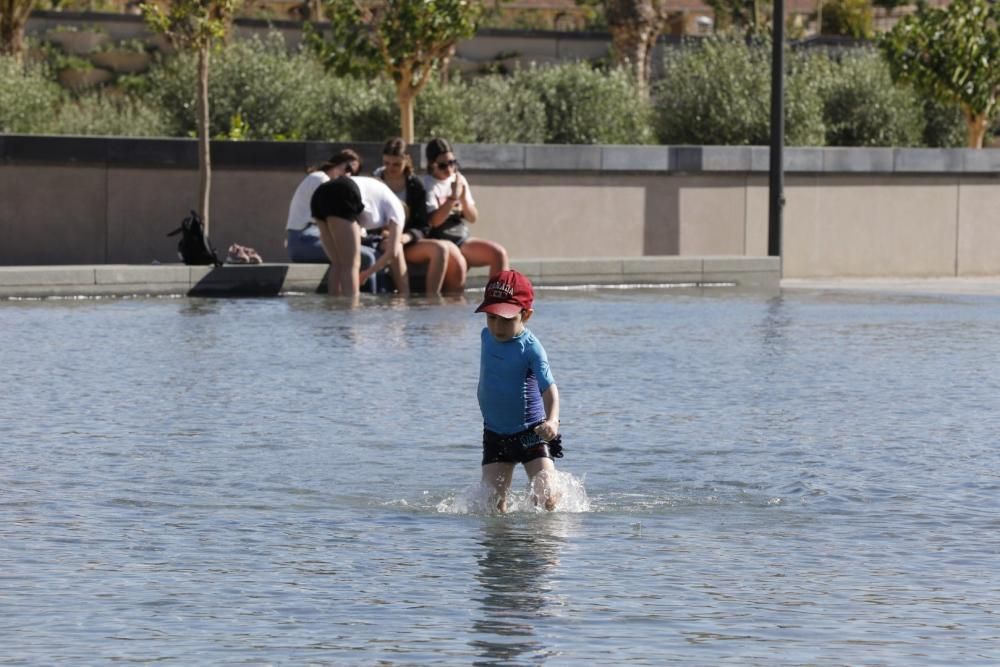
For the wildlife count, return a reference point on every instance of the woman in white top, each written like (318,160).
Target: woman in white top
(445,264)
(342,208)
(303,239)
(450,206)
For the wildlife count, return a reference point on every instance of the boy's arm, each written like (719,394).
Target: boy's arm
(549,428)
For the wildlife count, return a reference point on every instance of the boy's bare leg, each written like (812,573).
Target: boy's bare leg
(498,476)
(541,472)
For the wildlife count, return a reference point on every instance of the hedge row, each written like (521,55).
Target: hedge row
(716,92)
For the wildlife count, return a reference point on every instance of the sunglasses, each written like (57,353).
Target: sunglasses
(446,164)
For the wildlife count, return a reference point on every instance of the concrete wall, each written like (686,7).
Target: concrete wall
(849,212)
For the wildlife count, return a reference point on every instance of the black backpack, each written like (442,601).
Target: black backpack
(194,248)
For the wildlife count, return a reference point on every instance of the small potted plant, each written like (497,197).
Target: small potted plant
(77,41)
(127,57)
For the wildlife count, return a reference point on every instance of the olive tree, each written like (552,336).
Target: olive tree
(404,39)
(740,15)
(952,54)
(195,26)
(635,25)
(13,16)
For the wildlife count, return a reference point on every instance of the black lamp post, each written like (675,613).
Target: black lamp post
(776,181)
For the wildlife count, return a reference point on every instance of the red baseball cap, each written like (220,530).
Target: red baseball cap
(507,294)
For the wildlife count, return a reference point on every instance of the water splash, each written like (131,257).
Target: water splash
(479,498)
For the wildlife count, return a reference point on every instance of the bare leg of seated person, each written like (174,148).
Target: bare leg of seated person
(435,255)
(455,270)
(400,274)
(480,252)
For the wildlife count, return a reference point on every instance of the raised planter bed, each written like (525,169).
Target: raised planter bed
(81,79)
(122,62)
(77,42)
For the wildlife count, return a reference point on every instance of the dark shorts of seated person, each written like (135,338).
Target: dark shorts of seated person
(519,447)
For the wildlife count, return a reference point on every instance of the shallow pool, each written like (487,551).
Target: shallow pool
(809,479)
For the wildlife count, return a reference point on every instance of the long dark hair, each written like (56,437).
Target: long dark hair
(343,157)
(435,148)
(396,147)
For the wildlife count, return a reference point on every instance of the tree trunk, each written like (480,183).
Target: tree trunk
(405,97)
(13,16)
(635,26)
(975,125)
(204,152)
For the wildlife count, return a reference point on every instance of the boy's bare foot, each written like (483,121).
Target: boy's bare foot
(551,502)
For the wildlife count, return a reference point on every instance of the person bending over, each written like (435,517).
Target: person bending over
(345,206)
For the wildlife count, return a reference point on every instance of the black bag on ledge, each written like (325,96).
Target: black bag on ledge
(194,248)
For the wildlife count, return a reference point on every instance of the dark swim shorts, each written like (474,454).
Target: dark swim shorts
(340,198)
(519,447)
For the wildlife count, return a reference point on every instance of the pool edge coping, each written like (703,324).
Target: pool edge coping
(759,273)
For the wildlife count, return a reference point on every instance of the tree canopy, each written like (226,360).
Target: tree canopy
(404,39)
(952,54)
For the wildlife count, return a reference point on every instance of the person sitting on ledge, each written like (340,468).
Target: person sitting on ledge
(446,266)
(451,209)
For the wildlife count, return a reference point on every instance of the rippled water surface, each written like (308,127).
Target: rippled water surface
(810,479)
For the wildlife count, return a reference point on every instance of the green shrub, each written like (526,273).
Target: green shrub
(804,124)
(718,92)
(349,109)
(441,112)
(586,106)
(850,18)
(28,97)
(500,112)
(103,115)
(253,80)
(863,107)
(945,125)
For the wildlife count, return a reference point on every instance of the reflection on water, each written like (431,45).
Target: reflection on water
(517,562)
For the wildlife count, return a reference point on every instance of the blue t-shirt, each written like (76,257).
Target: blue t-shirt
(512,377)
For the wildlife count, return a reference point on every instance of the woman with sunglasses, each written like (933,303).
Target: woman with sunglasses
(450,207)
(304,242)
(445,265)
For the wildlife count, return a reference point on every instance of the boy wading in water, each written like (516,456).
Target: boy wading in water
(517,394)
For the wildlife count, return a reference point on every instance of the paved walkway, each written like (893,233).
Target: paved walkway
(972,286)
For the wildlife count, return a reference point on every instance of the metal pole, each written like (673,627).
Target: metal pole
(776,183)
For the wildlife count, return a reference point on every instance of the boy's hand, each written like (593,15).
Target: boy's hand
(548,429)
